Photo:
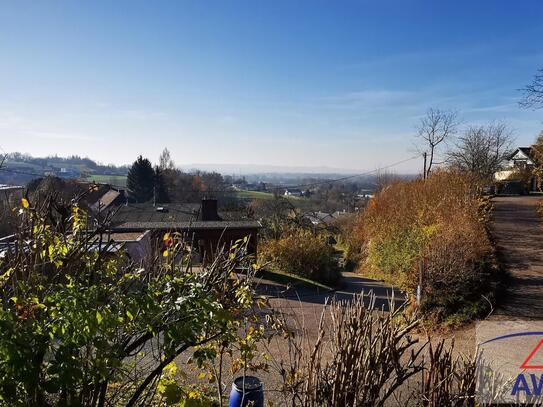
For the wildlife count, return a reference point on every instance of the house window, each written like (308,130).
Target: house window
(520,164)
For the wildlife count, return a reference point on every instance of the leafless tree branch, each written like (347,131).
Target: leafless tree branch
(482,149)
(533,93)
(433,129)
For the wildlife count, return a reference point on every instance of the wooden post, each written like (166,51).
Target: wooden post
(424,155)
(419,286)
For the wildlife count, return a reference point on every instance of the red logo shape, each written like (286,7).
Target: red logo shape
(525,364)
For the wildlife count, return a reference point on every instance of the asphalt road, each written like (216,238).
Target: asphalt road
(517,230)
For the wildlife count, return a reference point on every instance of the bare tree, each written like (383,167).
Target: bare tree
(482,149)
(165,161)
(384,178)
(533,93)
(435,128)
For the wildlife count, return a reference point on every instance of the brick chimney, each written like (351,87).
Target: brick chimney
(208,210)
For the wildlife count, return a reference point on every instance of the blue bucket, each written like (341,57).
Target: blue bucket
(246,391)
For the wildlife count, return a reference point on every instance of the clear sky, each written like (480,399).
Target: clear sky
(293,83)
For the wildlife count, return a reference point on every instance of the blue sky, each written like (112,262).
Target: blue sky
(290,83)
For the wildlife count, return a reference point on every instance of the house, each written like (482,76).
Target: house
(510,179)
(107,200)
(69,173)
(136,245)
(9,194)
(325,219)
(319,218)
(522,158)
(205,229)
(293,192)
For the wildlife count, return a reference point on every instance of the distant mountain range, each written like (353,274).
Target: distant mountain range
(247,169)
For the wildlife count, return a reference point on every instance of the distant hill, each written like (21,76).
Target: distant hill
(19,168)
(246,169)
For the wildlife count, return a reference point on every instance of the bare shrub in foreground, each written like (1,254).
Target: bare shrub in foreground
(446,380)
(364,356)
(359,357)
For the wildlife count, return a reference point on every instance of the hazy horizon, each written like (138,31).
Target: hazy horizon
(237,169)
(282,84)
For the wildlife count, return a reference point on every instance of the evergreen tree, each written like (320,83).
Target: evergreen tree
(161,187)
(141,179)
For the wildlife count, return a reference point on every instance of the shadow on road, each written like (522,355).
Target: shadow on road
(516,229)
(283,295)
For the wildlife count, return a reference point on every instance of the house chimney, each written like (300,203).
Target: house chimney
(208,210)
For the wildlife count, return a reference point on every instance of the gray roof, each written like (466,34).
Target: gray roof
(4,187)
(105,200)
(324,217)
(139,213)
(220,224)
(174,217)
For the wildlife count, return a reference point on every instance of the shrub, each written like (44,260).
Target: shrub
(436,226)
(303,253)
(364,355)
(80,325)
(395,256)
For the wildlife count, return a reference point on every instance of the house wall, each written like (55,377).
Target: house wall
(140,250)
(520,160)
(11,195)
(210,241)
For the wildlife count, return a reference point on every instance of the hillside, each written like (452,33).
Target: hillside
(21,168)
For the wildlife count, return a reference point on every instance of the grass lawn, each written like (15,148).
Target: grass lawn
(262,195)
(253,195)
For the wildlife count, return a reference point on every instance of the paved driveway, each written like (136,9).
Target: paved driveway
(518,234)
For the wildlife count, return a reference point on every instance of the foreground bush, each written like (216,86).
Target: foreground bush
(364,356)
(303,253)
(81,325)
(432,231)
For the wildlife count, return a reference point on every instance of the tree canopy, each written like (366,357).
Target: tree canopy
(482,149)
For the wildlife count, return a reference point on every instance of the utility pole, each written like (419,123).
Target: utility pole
(424,155)
(419,286)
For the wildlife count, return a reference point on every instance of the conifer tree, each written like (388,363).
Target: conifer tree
(141,180)
(161,188)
